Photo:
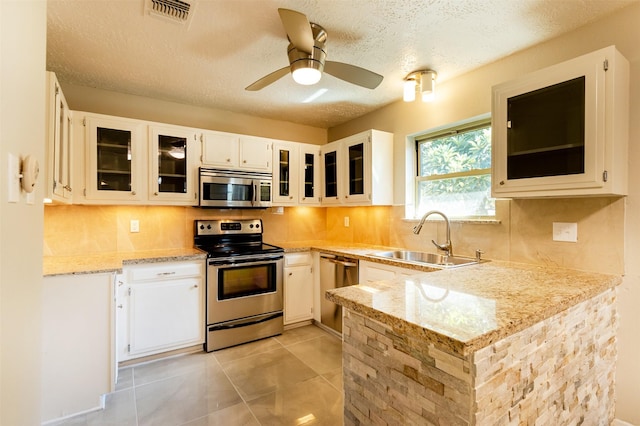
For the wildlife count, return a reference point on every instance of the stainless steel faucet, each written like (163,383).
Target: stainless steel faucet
(446,247)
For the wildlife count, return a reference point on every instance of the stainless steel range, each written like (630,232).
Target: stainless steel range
(244,282)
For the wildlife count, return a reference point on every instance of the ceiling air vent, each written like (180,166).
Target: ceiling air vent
(174,10)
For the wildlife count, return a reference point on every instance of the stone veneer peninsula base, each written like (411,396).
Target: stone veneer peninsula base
(557,371)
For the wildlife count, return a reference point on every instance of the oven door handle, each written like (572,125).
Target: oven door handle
(245,322)
(225,265)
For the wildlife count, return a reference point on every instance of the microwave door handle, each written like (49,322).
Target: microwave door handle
(255,192)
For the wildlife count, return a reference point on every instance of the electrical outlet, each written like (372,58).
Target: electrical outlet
(134,225)
(565,232)
(346,221)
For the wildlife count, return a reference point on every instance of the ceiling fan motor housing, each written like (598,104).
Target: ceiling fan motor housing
(315,60)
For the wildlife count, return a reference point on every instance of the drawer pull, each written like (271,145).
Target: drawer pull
(167,273)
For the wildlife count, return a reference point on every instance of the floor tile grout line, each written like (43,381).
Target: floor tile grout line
(235,387)
(311,367)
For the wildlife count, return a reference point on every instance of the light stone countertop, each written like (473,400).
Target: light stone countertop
(468,308)
(113,262)
(464,309)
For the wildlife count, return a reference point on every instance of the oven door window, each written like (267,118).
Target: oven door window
(244,281)
(227,191)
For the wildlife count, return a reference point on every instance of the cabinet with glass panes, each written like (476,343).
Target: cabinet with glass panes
(296,174)
(358,170)
(113,158)
(172,164)
(563,130)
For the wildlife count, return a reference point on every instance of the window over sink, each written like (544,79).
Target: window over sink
(454,170)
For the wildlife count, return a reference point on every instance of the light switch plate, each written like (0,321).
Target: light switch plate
(567,232)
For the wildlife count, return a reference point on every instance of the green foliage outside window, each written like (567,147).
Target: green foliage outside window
(454,173)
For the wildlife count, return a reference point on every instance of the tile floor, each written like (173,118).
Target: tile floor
(292,379)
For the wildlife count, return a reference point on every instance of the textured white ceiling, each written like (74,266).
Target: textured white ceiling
(114,45)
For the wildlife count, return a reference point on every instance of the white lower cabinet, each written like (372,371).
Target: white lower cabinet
(372,271)
(160,308)
(298,287)
(78,359)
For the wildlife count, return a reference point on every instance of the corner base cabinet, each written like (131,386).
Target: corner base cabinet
(563,130)
(298,287)
(160,308)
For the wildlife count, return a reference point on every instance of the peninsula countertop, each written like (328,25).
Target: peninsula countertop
(468,308)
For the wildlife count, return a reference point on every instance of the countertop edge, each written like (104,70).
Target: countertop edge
(113,262)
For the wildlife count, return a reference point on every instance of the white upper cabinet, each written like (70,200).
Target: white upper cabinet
(563,131)
(358,170)
(58,166)
(296,174)
(285,173)
(173,159)
(130,161)
(231,151)
(309,174)
(115,159)
(220,150)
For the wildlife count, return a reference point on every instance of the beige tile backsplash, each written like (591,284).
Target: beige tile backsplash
(522,233)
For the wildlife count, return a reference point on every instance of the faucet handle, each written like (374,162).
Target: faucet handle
(478,255)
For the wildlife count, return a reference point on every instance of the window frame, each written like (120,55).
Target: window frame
(475,123)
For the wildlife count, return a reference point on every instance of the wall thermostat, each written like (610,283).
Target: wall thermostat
(29,175)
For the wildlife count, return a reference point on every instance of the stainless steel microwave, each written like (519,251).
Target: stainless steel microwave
(234,188)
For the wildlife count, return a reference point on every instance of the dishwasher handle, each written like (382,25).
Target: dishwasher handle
(338,260)
(344,263)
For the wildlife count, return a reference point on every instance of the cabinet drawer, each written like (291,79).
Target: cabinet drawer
(162,271)
(297,259)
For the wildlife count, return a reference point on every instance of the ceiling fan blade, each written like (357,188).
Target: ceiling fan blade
(298,29)
(353,74)
(268,79)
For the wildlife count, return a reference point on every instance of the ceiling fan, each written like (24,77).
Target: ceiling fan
(307,55)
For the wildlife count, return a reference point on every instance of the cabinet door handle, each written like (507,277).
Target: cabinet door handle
(133,192)
(120,306)
(501,182)
(155,193)
(228,160)
(195,286)
(290,273)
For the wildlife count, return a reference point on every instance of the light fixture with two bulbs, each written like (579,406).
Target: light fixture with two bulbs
(422,82)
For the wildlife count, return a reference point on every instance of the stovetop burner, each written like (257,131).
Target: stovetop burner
(225,237)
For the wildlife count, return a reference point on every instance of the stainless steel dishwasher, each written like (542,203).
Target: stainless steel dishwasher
(335,272)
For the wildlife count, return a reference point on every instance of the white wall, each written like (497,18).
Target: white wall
(22,100)
(470,95)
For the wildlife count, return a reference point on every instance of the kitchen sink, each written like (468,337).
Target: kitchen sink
(438,260)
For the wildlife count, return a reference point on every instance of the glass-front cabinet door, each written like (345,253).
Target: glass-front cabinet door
(113,159)
(561,131)
(309,177)
(172,170)
(331,161)
(358,171)
(285,171)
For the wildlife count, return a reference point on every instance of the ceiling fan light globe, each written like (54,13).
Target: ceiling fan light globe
(306,76)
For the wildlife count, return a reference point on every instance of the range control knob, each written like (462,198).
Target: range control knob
(201,226)
(209,226)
